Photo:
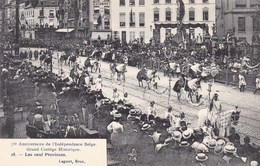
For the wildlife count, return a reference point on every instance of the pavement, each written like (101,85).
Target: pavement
(247,102)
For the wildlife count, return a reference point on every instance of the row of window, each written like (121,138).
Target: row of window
(142,2)
(241,24)
(122,19)
(132,35)
(30,13)
(168,15)
(243,3)
(106,10)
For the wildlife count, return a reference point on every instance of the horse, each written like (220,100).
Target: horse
(119,70)
(190,86)
(92,64)
(147,75)
(232,116)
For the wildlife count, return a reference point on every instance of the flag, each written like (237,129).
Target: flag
(131,16)
(99,20)
(181,10)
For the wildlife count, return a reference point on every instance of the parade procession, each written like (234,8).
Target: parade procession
(164,82)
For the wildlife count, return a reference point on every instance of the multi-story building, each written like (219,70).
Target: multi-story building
(39,20)
(158,18)
(74,17)
(9,9)
(132,19)
(100,19)
(239,18)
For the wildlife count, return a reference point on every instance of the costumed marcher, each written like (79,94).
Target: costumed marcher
(241,82)
(214,109)
(152,109)
(115,96)
(257,84)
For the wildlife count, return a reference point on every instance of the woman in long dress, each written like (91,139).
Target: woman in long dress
(118,139)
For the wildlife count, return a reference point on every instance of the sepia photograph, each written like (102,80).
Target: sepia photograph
(155,82)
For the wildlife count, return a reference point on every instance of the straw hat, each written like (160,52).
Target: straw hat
(187,133)
(221,142)
(253,163)
(184,144)
(211,143)
(117,115)
(145,127)
(176,135)
(218,150)
(201,157)
(229,149)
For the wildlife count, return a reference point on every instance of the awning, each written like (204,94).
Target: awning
(65,30)
(103,35)
(186,26)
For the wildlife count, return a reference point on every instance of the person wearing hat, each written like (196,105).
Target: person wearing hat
(187,135)
(133,115)
(117,138)
(257,84)
(177,136)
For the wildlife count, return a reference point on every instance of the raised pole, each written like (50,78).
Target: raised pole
(2,22)
(17,28)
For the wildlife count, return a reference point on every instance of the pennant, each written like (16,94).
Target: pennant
(99,20)
(181,10)
(131,16)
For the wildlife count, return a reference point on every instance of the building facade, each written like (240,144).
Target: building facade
(39,20)
(74,15)
(100,19)
(134,19)
(238,16)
